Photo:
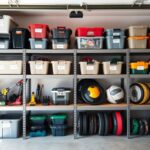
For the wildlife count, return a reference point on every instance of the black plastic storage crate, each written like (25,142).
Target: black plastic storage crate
(20,38)
(61,33)
(59,130)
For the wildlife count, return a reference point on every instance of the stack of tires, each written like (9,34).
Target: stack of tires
(101,123)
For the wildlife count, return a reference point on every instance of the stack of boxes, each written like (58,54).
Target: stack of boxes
(6,25)
(91,38)
(61,38)
(115,38)
(137,37)
(39,36)
(58,124)
(37,126)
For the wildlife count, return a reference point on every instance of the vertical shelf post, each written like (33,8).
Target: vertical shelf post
(75,93)
(128,92)
(24,94)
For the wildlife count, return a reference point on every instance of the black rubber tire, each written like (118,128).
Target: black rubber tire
(101,124)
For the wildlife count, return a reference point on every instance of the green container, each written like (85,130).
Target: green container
(58,119)
(135,71)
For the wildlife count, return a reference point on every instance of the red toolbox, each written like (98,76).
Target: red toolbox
(93,32)
(39,30)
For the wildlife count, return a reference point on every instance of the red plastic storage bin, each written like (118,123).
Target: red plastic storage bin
(98,31)
(39,30)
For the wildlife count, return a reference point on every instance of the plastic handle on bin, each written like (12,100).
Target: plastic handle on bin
(61,27)
(116,30)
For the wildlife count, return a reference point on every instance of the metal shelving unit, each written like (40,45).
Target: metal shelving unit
(76,108)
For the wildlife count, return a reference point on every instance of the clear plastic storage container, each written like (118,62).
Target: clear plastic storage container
(61,67)
(112,68)
(4,43)
(10,126)
(115,42)
(90,42)
(59,130)
(38,43)
(11,67)
(7,23)
(60,43)
(89,67)
(39,67)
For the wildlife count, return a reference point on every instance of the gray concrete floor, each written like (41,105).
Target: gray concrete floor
(68,143)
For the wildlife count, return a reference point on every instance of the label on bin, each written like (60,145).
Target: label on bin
(60,46)
(89,67)
(6,125)
(116,34)
(2,45)
(61,67)
(38,45)
(38,30)
(13,67)
(113,68)
(116,40)
(1,67)
(39,66)
(140,67)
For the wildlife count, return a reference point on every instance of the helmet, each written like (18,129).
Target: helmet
(115,94)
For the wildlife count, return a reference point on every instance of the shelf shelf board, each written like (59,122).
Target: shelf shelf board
(139,51)
(11,51)
(49,51)
(139,107)
(11,108)
(49,76)
(11,76)
(101,76)
(103,51)
(145,76)
(82,107)
(51,108)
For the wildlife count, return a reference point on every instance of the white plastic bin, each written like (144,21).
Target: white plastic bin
(89,67)
(138,30)
(7,23)
(39,67)
(11,67)
(10,126)
(61,67)
(112,68)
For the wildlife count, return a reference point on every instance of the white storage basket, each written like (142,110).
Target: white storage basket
(39,67)
(11,67)
(7,24)
(111,68)
(89,67)
(61,67)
